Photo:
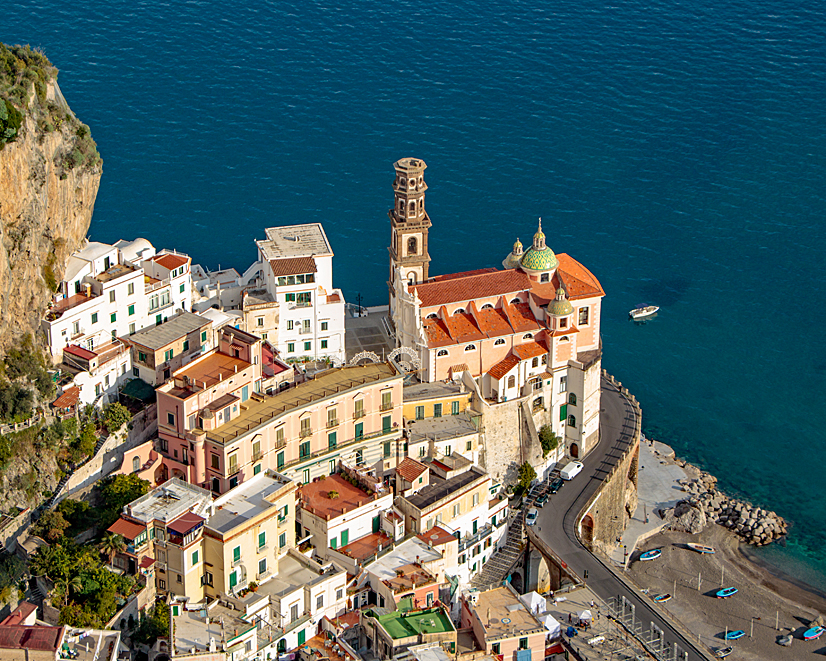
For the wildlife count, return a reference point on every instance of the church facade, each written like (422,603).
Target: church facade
(527,333)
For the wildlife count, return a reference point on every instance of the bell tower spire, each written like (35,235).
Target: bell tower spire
(409,224)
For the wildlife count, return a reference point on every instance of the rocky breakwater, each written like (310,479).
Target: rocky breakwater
(49,176)
(706,504)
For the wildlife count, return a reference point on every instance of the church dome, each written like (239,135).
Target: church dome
(560,306)
(513,259)
(539,257)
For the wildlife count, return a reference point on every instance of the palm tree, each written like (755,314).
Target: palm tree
(111,545)
(64,587)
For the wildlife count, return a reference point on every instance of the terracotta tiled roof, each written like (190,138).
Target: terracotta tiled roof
(462,327)
(292,266)
(126,529)
(463,274)
(493,322)
(521,317)
(19,614)
(69,398)
(37,637)
(436,536)
(80,352)
(333,298)
(469,287)
(458,369)
(565,331)
(437,335)
(170,262)
(578,281)
(529,350)
(503,366)
(410,469)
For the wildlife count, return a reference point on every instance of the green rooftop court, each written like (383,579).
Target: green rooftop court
(400,624)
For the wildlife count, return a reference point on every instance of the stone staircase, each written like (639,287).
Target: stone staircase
(501,562)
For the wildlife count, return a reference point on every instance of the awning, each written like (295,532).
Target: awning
(183,524)
(139,389)
(146,561)
(126,529)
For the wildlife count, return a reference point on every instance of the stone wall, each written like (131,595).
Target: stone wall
(609,510)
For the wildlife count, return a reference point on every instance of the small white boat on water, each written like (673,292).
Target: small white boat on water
(643,312)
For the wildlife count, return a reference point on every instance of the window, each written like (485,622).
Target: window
(130,288)
(457,509)
(183,286)
(334,543)
(332,440)
(136,464)
(111,295)
(290,324)
(170,418)
(583,316)
(359,409)
(475,499)
(215,463)
(470,347)
(94,317)
(448,450)
(167,355)
(323,344)
(523,643)
(279,461)
(421,453)
(236,554)
(304,450)
(387,400)
(535,361)
(563,323)
(319,601)
(454,408)
(572,399)
(131,310)
(437,410)
(544,359)
(233,463)
(359,457)
(282,540)
(256,469)
(132,329)
(194,558)
(290,347)
(496,648)
(306,430)
(339,594)
(387,449)
(499,342)
(571,421)
(332,466)
(420,413)
(158,319)
(441,352)
(469,446)
(262,540)
(161,584)
(203,336)
(141,357)
(386,424)
(563,412)
(511,381)
(324,325)
(538,404)
(563,384)
(308,346)
(262,566)
(411,242)
(359,430)
(245,393)
(113,317)
(305,476)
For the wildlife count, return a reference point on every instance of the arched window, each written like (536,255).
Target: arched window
(511,381)
(421,205)
(136,464)
(545,277)
(459,311)
(432,315)
(544,359)
(470,347)
(527,336)
(571,421)
(516,300)
(535,361)
(411,278)
(572,399)
(412,246)
(441,352)
(401,207)
(498,342)
(537,404)
(564,338)
(487,306)
(412,207)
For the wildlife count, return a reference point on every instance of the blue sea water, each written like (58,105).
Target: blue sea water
(676,148)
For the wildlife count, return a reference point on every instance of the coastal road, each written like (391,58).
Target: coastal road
(558,518)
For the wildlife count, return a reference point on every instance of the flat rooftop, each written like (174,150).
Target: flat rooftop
(367,546)
(440,429)
(325,384)
(306,240)
(211,369)
(114,272)
(422,391)
(404,554)
(169,501)
(315,497)
(194,628)
(179,326)
(493,606)
(295,572)
(412,623)
(435,492)
(246,501)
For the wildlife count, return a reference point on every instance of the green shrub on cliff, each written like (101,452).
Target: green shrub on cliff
(10,120)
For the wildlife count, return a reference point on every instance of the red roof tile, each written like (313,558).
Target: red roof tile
(493,322)
(126,529)
(565,331)
(43,638)
(529,350)
(69,398)
(80,352)
(410,469)
(469,287)
(462,327)
(23,610)
(436,536)
(170,261)
(521,317)
(437,335)
(186,522)
(292,266)
(462,274)
(503,366)
(578,281)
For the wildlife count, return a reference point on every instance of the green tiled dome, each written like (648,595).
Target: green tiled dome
(513,259)
(560,306)
(540,260)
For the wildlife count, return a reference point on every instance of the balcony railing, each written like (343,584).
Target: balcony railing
(333,422)
(263,548)
(236,562)
(359,414)
(257,455)
(282,521)
(304,331)
(304,433)
(233,470)
(482,533)
(280,445)
(339,445)
(386,406)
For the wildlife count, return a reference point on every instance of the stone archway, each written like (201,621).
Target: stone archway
(517,582)
(587,527)
(368,356)
(575,450)
(411,363)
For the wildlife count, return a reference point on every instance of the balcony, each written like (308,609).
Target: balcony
(233,469)
(304,433)
(358,414)
(282,521)
(339,446)
(304,331)
(386,406)
(262,549)
(236,561)
(256,456)
(261,575)
(280,445)
(333,422)
(482,533)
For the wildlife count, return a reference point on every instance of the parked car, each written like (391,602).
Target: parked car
(530,519)
(556,485)
(542,500)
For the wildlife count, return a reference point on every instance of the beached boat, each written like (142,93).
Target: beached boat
(700,548)
(725,593)
(643,311)
(813,634)
(735,635)
(723,652)
(653,554)
(662,598)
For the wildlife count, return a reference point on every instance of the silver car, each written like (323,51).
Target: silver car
(530,519)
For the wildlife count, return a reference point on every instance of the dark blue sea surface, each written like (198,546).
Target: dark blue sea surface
(676,148)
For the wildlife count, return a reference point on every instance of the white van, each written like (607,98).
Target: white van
(571,470)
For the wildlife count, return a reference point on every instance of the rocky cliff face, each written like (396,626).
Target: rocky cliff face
(49,178)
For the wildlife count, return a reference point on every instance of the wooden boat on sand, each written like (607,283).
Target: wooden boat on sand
(700,548)
(653,554)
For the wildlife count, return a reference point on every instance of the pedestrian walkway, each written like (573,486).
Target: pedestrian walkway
(657,488)
(368,333)
(500,563)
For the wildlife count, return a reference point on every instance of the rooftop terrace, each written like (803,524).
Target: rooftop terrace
(315,497)
(441,489)
(503,602)
(420,391)
(195,628)
(295,241)
(246,501)
(169,501)
(212,369)
(327,384)
(412,623)
(179,326)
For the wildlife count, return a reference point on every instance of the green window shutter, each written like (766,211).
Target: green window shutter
(334,543)
(245,393)
(345,537)
(376,523)
(359,429)
(262,539)
(563,412)
(301,637)
(236,554)
(233,580)
(203,336)
(454,408)
(280,460)
(331,440)
(386,424)
(256,469)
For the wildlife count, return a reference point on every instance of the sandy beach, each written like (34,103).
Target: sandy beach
(763,598)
